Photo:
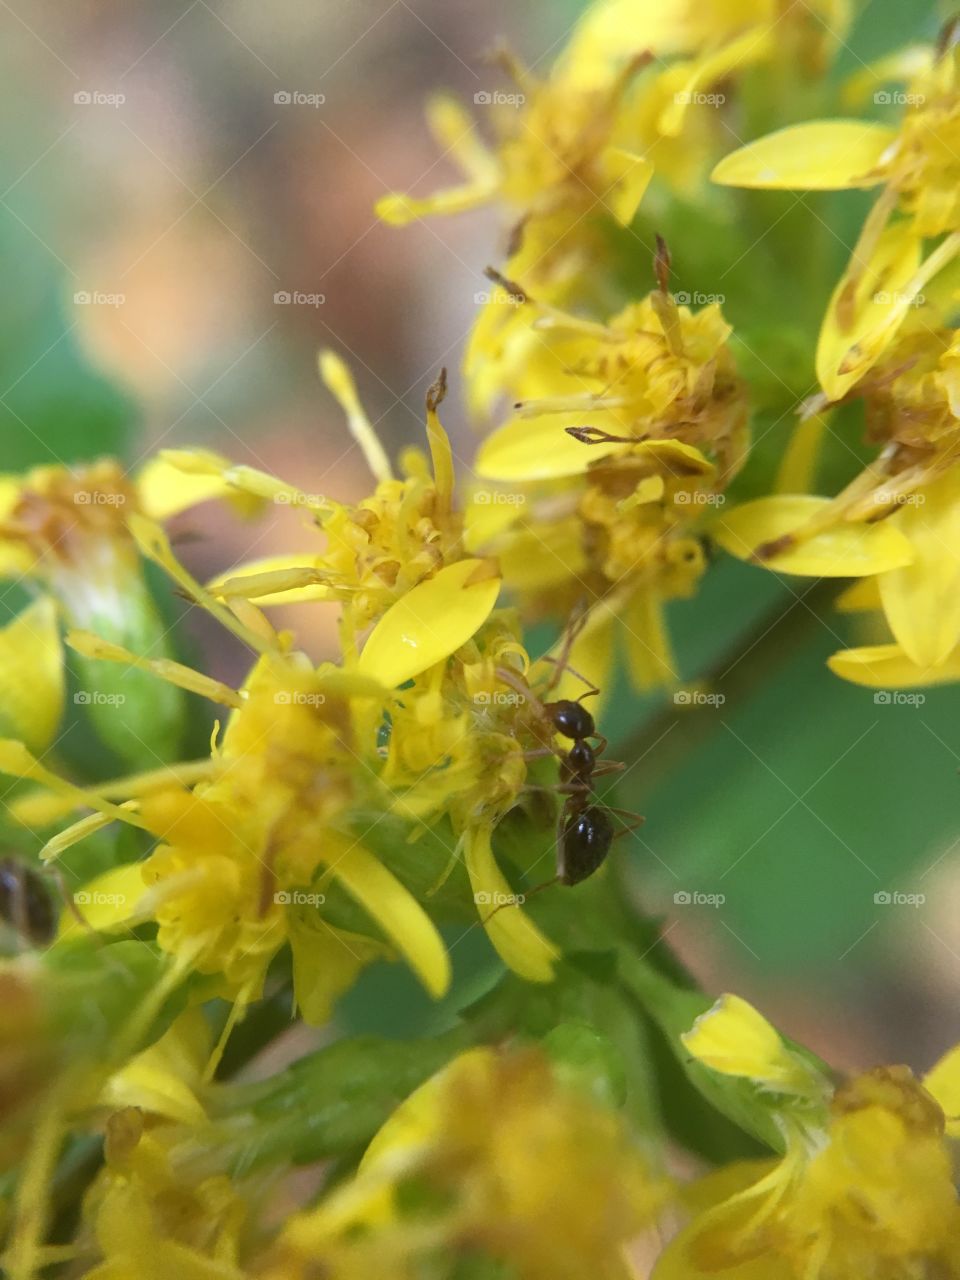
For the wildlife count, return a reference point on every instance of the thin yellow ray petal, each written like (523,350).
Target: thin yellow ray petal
(429,622)
(886,667)
(155,546)
(516,938)
(394,908)
(525,449)
(92,646)
(109,902)
(943,1082)
(820,155)
(922,600)
(456,131)
(398,210)
(164,488)
(78,831)
(339,382)
(41,808)
(838,550)
(260,580)
(18,762)
(631,176)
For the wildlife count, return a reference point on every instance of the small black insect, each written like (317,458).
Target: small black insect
(26,907)
(585,830)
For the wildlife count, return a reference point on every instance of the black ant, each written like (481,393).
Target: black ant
(585,831)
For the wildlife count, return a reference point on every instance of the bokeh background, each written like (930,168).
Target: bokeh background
(159,200)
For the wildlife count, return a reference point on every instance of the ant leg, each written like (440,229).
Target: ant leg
(576,624)
(637,820)
(520,898)
(608,766)
(590,692)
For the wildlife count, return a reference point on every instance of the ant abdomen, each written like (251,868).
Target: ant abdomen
(586,840)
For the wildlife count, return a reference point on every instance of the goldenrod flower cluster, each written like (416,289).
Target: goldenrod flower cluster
(379,807)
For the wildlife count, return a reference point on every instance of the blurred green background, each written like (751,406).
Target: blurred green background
(157,197)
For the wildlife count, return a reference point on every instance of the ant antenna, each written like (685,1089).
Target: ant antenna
(578,620)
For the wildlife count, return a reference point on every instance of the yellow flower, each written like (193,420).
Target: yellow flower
(865,1191)
(897,522)
(917,167)
(609,477)
(499,1153)
(149,1217)
(395,561)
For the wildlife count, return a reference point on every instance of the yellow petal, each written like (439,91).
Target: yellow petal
(533,558)
(398,210)
(326,962)
(593,653)
(340,383)
(886,666)
(733,1039)
(922,600)
(429,623)
(629,176)
(393,907)
(518,941)
(943,1081)
(798,470)
(861,597)
(31,676)
(110,902)
(839,551)
(261,582)
(651,662)
(902,65)
(821,155)
(539,449)
(165,489)
(456,131)
(163,1079)
(866,309)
